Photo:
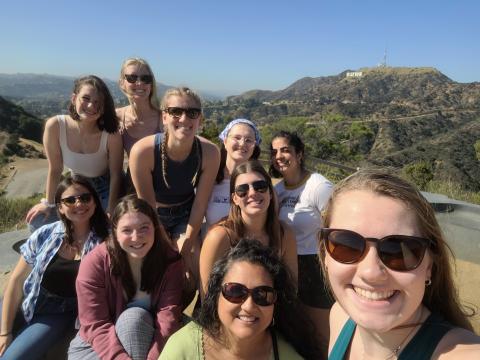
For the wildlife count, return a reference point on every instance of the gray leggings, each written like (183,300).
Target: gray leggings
(134,328)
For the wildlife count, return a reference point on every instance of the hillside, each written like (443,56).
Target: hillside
(14,119)
(400,117)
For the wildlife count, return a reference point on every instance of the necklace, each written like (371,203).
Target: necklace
(396,350)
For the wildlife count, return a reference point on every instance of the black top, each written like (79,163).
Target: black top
(60,275)
(179,174)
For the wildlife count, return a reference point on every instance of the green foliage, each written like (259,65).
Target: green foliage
(13,211)
(420,173)
(296,124)
(477,149)
(12,146)
(210,131)
(333,117)
(453,190)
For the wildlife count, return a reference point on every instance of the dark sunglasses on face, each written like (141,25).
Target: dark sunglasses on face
(237,293)
(84,198)
(177,112)
(397,252)
(260,186)
(132,79)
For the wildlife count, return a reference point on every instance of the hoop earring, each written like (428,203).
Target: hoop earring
(428,282)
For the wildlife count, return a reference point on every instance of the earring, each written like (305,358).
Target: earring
(272,324)
(428,282)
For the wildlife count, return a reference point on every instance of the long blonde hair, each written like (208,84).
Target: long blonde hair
(153,98)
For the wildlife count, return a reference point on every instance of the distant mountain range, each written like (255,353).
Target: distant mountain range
(408,118)
(45,95)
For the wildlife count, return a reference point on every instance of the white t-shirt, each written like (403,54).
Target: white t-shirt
(219,203)
(300,207)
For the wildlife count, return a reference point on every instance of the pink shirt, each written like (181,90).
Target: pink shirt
(101,300)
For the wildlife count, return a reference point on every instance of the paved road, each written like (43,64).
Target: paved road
(29,177)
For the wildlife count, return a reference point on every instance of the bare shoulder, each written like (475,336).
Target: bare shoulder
(216,236)
(143,145)
(208,147)
(52,124)
(458,343)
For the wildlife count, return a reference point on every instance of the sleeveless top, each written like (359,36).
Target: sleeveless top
(179,174)
(89,165)
(128,140)
(420,347)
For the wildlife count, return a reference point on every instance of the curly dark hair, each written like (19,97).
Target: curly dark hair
(108,121)
(98,222)
(290,319)
(293,140)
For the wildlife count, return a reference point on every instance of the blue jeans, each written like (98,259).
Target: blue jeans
(54,316)
(175,218)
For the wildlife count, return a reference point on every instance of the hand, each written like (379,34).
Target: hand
(36,210)
(4,342)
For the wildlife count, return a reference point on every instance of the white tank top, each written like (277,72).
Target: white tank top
(88,165)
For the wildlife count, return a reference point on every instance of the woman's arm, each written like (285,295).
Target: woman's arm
(210,163)
(11,301)
(168,307)
(51,143)
(141,163)
(95,309)
(215,245)
(115,166)
(289,256)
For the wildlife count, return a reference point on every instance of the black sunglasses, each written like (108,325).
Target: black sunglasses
(237,293)
(132,79)
(71,200)
(260,186)
(177,112)
(397,252)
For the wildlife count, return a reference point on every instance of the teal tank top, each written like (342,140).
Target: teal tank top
(421,347)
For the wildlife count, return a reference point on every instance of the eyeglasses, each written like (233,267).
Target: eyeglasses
(246,140)
(260,186)
(84,198)
(237,293)
(132,79)
(177,112)
(397,252)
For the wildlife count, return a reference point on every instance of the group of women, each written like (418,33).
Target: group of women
(269,261)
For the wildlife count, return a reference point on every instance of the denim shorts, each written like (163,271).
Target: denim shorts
(175,218)
(101,184)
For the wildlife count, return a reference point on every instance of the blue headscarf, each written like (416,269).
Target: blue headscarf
(223,135)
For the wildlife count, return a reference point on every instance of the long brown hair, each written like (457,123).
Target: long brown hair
(441,296)
(234,223)
(154,263)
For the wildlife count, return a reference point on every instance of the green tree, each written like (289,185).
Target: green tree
(420,173)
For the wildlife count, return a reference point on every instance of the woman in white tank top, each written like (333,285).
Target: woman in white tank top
(87,142)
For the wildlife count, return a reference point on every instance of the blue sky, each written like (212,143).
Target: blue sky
(232,46)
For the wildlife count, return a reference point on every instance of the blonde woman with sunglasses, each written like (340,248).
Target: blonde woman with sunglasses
(142,117)
(253,214)
(40,302)
(389,267)
(175,171)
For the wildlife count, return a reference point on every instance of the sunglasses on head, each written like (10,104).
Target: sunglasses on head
(71,200)
(132,79)
(260,186)
(237,293)
(397,252)
(177,112)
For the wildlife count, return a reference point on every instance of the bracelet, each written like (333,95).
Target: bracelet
(8,333)
(45,202)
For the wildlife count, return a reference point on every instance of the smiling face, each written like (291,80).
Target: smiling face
(135,234)
(182,127)
(245,320)
(79,211)
(88,103)
(240,143)
(374,296)
(138,90)
(284,157)
(254,202)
